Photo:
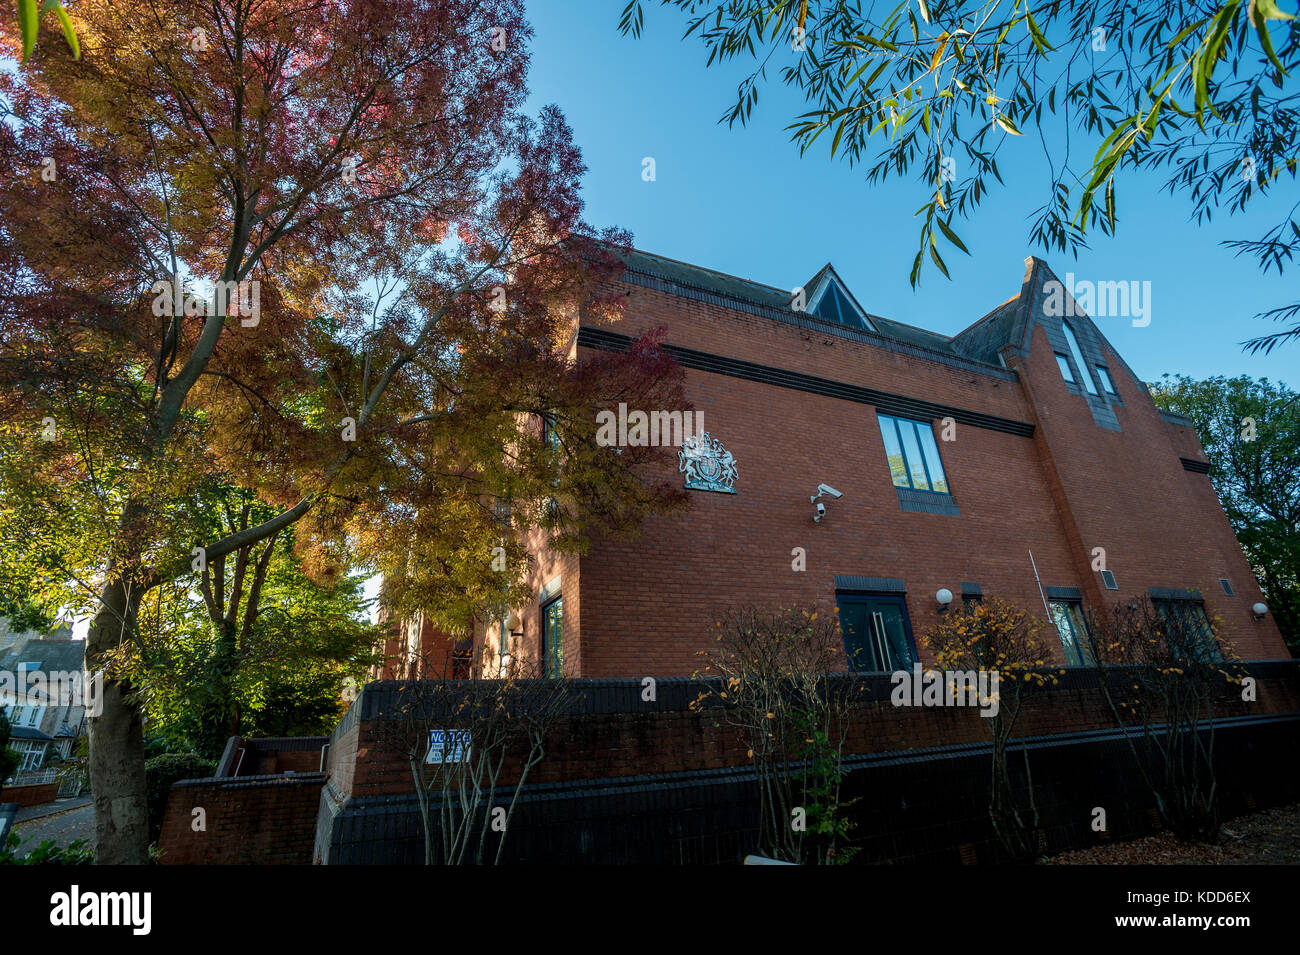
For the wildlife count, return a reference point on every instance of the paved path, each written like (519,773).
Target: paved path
(62,826)
(50,808)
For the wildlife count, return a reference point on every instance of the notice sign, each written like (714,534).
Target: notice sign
(448,746)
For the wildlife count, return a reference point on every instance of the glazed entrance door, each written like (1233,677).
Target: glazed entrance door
(877,636)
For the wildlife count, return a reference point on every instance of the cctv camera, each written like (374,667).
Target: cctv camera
(821,512)
(826,489)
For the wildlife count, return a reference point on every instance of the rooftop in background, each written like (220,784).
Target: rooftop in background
(55,652)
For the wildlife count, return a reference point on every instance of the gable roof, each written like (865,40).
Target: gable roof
(1031,308)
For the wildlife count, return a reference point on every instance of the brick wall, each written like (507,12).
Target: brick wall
(30,795)
(642,607)
(1127,492)
(261,820)
(610,732)
(630,781)
(271,756)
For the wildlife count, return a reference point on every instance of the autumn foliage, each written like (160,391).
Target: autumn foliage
(421,266)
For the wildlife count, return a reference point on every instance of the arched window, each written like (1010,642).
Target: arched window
(1077,354)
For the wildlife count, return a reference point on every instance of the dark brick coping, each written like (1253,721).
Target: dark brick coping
(252,782)
(623,695)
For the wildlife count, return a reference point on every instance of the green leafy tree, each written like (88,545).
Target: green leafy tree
(1250,429)
(23,615)
(940,90)
(261,638)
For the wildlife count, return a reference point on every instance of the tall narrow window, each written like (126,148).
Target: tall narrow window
(913,454)
(1063,363)
(1077,354)
(553,638)
(1068,617)
(550,436)
(1106,383)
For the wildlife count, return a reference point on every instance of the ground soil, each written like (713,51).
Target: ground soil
(1267,837)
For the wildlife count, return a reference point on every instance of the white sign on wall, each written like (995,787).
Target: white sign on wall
(448,746)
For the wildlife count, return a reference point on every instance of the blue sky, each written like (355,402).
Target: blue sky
(742,201)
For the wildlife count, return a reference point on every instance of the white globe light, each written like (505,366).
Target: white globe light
(512,622)
(944,596)
(1260,609)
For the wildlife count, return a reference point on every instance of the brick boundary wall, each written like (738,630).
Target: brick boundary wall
(627,780)
(26,796)
(267,820)
(632,781)
(921,806)
(270,755)
(610,731)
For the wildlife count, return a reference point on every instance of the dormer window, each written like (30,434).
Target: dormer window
(833,306)
(1077,354)
(831,300)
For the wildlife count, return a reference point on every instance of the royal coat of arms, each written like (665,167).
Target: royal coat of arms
(708,466)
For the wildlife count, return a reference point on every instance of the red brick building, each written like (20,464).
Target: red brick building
(955,458)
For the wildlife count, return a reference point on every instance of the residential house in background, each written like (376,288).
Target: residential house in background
(44,724)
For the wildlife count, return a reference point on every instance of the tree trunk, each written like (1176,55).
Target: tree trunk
(117,740)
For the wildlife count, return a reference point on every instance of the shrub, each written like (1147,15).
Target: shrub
(47,853)
(793,719)
(160,772)
(1000,637)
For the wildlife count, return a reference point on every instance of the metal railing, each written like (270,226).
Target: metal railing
(33,777)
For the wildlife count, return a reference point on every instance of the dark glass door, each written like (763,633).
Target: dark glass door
(877,636)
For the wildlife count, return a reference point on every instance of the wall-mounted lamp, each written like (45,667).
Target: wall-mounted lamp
(1259,610)
(514,624)
(944,596)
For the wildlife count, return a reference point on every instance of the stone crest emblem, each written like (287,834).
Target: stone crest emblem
(708,466)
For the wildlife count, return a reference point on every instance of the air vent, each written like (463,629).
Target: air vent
(1227,587)
(1108,578)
